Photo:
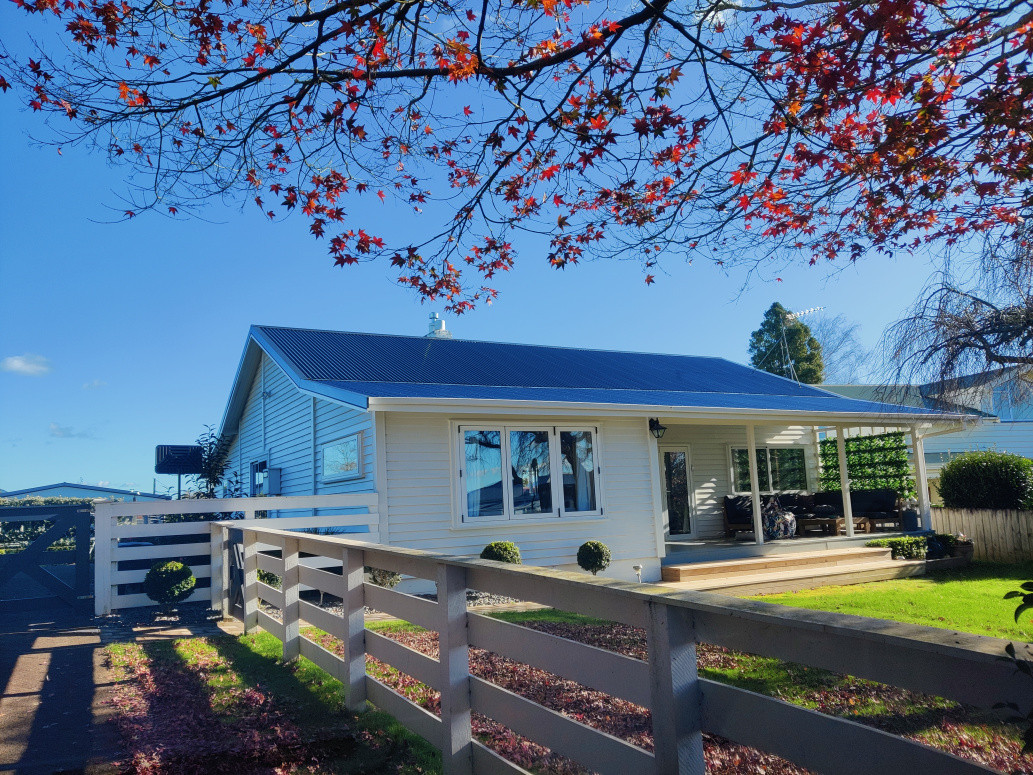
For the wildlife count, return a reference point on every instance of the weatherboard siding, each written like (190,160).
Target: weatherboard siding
(420,471)
(711,465)
(287,427)
(1014,437)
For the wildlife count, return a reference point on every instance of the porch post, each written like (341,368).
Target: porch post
(921,477)
(751,450)
(844,480)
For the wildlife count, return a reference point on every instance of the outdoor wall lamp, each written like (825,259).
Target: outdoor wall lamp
(656,428)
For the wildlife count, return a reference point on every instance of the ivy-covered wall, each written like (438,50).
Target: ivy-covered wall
(872,462)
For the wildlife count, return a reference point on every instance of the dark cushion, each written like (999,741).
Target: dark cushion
(800,504)
(862,502)
(825,512)
(833,498)
(739,510)
(873,502)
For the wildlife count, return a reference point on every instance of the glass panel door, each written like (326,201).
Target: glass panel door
(677,490)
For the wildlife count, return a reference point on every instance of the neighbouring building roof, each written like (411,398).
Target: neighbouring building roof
(919,396)
(111,492)
(366,370)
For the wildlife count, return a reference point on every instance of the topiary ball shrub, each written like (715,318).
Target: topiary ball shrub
(987,480)
(383,578)
(501,551)
(593,556)
(169,582)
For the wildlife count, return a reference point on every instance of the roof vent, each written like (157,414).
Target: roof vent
(436,329)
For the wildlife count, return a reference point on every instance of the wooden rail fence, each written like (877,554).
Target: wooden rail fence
(962,667)
(130,537)
(997,535)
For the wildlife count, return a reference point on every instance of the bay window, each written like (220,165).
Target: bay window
(527,472)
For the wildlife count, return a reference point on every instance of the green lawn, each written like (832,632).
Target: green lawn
(213,680)
(967,599)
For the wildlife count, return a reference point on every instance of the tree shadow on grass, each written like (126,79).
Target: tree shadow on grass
(345,743)
(197,718)
(983,571)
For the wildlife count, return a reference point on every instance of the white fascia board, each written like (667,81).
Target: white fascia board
(697,414)
(245,374)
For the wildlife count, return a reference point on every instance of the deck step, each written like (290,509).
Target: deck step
(806,577)
(773,562)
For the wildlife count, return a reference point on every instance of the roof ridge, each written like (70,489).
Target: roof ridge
(495,342)
(559,387)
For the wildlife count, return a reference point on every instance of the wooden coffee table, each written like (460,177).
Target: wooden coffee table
(829,526)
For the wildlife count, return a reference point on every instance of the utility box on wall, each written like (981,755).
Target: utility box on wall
(271,486)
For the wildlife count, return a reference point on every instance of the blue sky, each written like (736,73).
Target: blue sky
(140,325)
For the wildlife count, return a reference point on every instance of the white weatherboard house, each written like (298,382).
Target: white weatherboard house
(468,442)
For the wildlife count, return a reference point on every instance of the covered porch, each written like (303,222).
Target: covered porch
(715,477)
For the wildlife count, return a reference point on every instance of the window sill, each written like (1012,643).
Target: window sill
(511,524)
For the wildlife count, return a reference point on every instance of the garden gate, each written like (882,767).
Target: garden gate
(37,556)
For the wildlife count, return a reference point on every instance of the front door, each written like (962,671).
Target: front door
(676,470)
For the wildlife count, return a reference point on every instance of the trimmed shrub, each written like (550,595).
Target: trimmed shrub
(271,579)
(904,548)
(987,480)
(383,578)
(501,551)
(169,582)
(593,556)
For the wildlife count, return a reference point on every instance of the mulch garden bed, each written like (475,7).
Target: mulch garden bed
(965,732)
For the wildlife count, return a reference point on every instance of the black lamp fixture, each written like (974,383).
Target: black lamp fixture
(656,428)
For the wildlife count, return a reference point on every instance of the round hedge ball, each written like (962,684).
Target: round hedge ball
(501,551)
(593,556)
(169,582)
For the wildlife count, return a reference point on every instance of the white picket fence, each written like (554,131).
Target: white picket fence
(961,667)
(127,532)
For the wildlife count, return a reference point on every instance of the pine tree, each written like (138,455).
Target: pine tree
(786,347)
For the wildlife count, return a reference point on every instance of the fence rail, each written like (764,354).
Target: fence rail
(130,537)
(997,535)
(962,667)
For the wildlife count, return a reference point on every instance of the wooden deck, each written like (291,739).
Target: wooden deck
(790,571)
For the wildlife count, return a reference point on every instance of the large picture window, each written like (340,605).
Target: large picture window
(517,472)
(779,469)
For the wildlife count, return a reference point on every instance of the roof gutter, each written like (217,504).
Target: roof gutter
(493,406)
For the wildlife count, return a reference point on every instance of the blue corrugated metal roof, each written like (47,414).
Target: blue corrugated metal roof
(387,366)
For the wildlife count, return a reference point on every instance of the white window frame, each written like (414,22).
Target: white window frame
(360,468)
(598,472)
(555,468)
(767,452)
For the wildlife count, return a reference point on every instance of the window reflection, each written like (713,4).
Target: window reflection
(578,471)
(529,461)
(483,473)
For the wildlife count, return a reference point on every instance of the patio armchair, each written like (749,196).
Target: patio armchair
(738,514)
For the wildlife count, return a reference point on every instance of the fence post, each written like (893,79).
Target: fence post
(291,586)
(226,602)
(355,620)
(454,655)
(675,700)
(216,563)
(250,591)
(103,550)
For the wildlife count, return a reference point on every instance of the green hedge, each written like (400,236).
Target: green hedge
(872,462)
(987,480)
(904,548)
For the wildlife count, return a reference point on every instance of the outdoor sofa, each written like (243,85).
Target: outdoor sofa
(823,510)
